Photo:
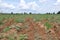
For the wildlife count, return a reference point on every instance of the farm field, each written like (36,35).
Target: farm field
(29,26)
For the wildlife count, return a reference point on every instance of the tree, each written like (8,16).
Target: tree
(30,13)
(11,12)
(48,13)
(53,12)
(25,13)
(58,12)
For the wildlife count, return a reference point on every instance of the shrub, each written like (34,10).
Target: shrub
(58,12)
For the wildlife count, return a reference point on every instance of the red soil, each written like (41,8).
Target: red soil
(34,27)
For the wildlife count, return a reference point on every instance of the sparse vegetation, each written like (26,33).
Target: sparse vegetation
(29,27)
(23,37)
(48,26)
(6,29)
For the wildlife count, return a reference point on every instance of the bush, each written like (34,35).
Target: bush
(30,13)
(25,13)
(58,12)
(11,12)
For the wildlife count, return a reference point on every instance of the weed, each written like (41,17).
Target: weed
(23,36)
(1,23)
(10,38)
(48,26)
(6,29)
(18,28)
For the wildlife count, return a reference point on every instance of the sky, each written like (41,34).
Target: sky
(34,6)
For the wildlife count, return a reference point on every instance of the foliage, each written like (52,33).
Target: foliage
(58,12)
(20,18)
(25,13)
(30,13)
(1,23)
(6,29)
(11,12)
(18,28)
(48,13)
(23,36)
(53,12)
(48,26)
(10,38)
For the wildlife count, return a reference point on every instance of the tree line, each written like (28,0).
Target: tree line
(54,13)
(30,13)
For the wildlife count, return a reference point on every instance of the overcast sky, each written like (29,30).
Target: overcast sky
(37,6)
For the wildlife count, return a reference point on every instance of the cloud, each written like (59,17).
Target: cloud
(42,1)
(6,5)
(57,2)
(31,5)
(23,4)
(57,5)
(0,0)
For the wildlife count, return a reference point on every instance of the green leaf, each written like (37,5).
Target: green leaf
(6,29)
(23,36)
(18,28)
(10,38)
(48,26)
